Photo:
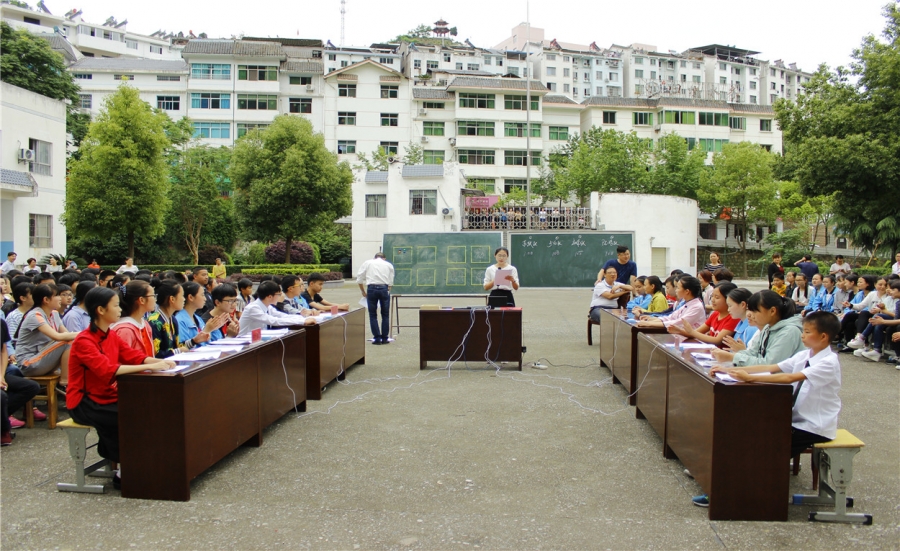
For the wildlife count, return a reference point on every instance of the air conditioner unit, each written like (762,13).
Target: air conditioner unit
(447,211)
(453,142)
(310,87)
(422,112)
(26,154)
(424,139)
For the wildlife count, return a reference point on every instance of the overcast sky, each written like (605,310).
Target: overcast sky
(808,32)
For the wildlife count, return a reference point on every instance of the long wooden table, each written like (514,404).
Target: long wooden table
(618,348)
(441,332)
(735,438)
(174,426)
(332,347)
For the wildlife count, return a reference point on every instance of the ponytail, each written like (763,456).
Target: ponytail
(130,293)
(39,293)
(770,299)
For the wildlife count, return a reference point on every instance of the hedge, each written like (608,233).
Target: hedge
(243,268)
(256,275)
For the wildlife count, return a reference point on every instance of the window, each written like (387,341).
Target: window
(551,86)
(683,64)
(168,78)
(566,88)
(614,91)
(347,118)
(433,105)
(168,103)
(559,133)
(447,58)
(474,128)
(639,61)
(346,146)
(417,64)
(566,58)
(643,119)
(300,80)
(652,75)
(683,78)
(713,119)
(123,77)
(155,49)
(487,60)
(773,86)
(609,117)
(517,130)
(244,127)
(566,72)
(332,57)
(431,64)
(753,99)
(83,76)
(389,119)
(347,90)
(723,80)
(216,130)
(386,60)
(85,101)
(484,184)
(518,102)
(317,54)
(258,102)
(210,101)
(737,123)
(599,90)
(473,66)
(512,184)
(551,57)
(40,231)
(767,147)
(696,79)
(772,98)
(211,71)
(679,117)
(390,148)
(389,92)
(638,89)
(257,72)
(476,156)
(433,157)
(638,73)
(753,85)
(598,74)
(841,243)
(723,67)
(614,77)
(431,128)
(300,105)
(43,157)
(712,146)
(459,66)
(765,125)
(131,44)
(376,206)
(517,158)
(753,72)
(422,201)
(31,20)
(551,71)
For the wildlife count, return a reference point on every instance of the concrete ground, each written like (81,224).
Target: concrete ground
(464,458)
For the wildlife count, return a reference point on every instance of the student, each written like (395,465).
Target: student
(77,319)
(128,267)
(42,341)
(245,295)
(745,329)
(66,297)
(9,303)
(722,274)
(224,304)
(864,285)
(169,299)
(842,293)
(839,266)
(807,266)
(22,296)
(641,298)
(261,313)
(693,311)
(15,391)
(105,277)
(136,301)
(98,357)
(883,326)
(775,268)
(815,373)
(44,278)
(505,289)
(706,287)
(201,277)
(119,280)
(606,293)
(778,337)
(53,267)
(93,265)
(790,283)
(192,331)
(876,302)
(801,293)
(653,288)
(670,289)
(31,268)
(816,296)
(718,325)
(293,303)
(10,263)
(714,263)
(218,271)
(625,268)
(884,307)
(778,285)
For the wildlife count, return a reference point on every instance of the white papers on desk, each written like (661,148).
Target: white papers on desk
(198,356)
(500,278)
(274,332)
(690,345)
(703,360)
(230,348)
(176,369)
(725,377)
(229,341)
(322,317)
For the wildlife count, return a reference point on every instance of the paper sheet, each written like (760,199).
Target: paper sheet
(364,302)
(231,341)
(690,345)
(725,377)
(198,356)
(176,368)
(274,332)
(230,348)
(500,278)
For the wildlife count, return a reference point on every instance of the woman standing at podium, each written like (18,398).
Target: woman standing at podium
(506,288)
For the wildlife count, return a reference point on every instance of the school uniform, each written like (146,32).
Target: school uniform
(259,316)
(817,403)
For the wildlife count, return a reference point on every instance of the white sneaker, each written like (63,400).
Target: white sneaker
(858,341)
(859,353)
(874,355)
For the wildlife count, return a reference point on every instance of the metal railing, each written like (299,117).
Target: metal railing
(515,218)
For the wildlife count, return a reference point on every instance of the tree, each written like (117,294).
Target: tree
(740,189)
(29,62)
(287,182)
(675,170)
(120,183)
(843,138)
(193,195)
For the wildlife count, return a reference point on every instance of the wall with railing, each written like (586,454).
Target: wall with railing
(516,218)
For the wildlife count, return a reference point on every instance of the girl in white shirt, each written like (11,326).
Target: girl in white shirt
(801,293)
(512,280)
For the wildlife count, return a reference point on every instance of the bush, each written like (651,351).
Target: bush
(255,275)
(257,254)
(334,241)
(239,268)
(209,253)
(301,253)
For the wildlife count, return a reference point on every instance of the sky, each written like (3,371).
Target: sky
(808,32)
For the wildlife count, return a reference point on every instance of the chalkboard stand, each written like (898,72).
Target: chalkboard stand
(395,306)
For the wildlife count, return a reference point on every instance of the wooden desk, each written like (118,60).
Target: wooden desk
(441,332)
(618,348)
(735,438)
(327,355)
(395,306)
(174,426)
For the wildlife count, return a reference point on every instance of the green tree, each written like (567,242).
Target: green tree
(193,195)
(29,62)
(414,154)
(676,170)
(287,182)
(740,189)
(843,138)
(120,183)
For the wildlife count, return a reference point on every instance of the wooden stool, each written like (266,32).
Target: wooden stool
(78,450)
(49,382)
(834,461)
(590,336)
(812,465)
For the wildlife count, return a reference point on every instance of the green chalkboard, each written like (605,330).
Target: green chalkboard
(440,263)
(565,259)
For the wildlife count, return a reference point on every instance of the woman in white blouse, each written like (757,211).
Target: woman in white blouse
(511,282)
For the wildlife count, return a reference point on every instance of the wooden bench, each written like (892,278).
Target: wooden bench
(834,462)
(78,447)
(48,382)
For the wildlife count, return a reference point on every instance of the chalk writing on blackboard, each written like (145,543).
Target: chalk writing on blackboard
(554,242)
(578,242)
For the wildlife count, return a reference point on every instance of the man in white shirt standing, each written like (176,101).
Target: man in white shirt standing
(10,263)
(375,279)
(128,267)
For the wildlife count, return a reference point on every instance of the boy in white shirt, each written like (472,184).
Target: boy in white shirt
(261,313)
(815,374)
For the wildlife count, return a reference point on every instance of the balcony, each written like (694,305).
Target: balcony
(566,218)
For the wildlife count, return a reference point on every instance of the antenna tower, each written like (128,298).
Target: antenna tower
(343,11)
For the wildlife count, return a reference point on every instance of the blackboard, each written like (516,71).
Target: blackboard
(564,259)
(440,263)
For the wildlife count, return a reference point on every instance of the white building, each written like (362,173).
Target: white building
(33,177)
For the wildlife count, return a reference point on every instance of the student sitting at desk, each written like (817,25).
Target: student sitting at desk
(224,303)
(293,303)
(192,330)
(641,298)
(719,325)
(779,335)
(97,357)
(653,288)
(261,313)
(607,293)
(815,373)
(136,300)
(687,289)
(314,285)
(745,329)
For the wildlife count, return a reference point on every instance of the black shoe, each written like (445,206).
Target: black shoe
(385,341)
(893,360)
(377,341)
(845,350)
(117,482)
